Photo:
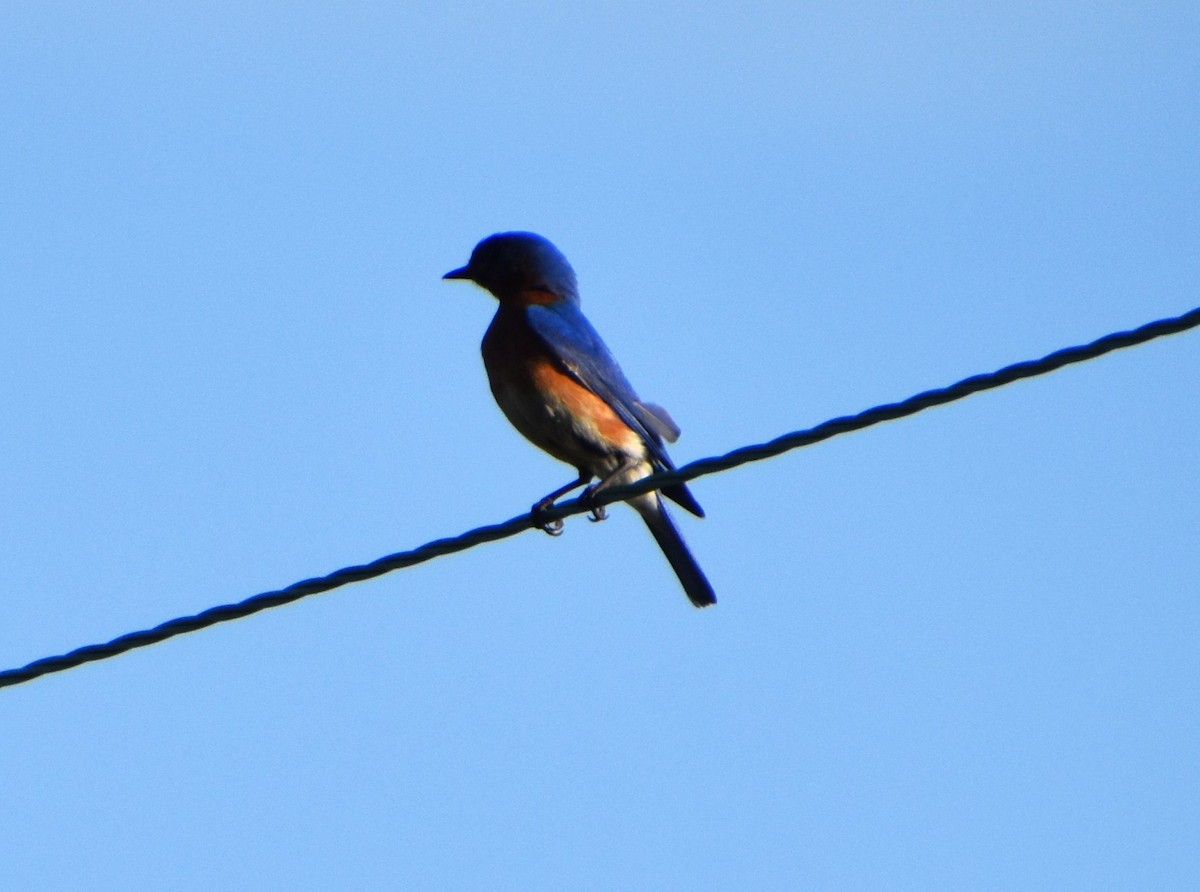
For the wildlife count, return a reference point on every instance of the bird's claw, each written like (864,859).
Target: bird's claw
(599,512)
(555,527)
(550,527)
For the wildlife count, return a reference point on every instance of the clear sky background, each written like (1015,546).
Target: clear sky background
(954,651)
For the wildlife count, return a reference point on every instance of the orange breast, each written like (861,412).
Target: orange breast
(548,406)
(598,421)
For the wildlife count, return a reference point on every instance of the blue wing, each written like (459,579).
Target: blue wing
(564,329)
(573,341)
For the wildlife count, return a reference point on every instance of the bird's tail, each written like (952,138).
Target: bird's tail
(695,584)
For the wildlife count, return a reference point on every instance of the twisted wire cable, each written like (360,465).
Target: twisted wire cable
(700,468)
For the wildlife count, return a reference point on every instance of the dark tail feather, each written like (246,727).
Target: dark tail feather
(695,584)
(681,495)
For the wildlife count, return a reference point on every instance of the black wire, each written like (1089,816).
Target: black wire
(440,547)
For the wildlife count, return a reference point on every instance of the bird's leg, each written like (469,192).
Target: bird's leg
(555,527)
(600,512)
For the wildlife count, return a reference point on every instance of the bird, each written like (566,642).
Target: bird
(558,384)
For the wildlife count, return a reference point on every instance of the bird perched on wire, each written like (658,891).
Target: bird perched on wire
(559,385)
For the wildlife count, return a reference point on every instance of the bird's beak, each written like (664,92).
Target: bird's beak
(461,273)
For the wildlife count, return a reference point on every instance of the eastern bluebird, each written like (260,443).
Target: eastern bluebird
(561,388)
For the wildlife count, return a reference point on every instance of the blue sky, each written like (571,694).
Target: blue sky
(955,651)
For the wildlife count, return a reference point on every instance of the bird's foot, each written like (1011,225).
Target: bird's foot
(551,527)
(599,512)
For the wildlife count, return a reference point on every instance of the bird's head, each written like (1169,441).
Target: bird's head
(509,263)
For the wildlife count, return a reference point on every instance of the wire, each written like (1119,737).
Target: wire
(440,547)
